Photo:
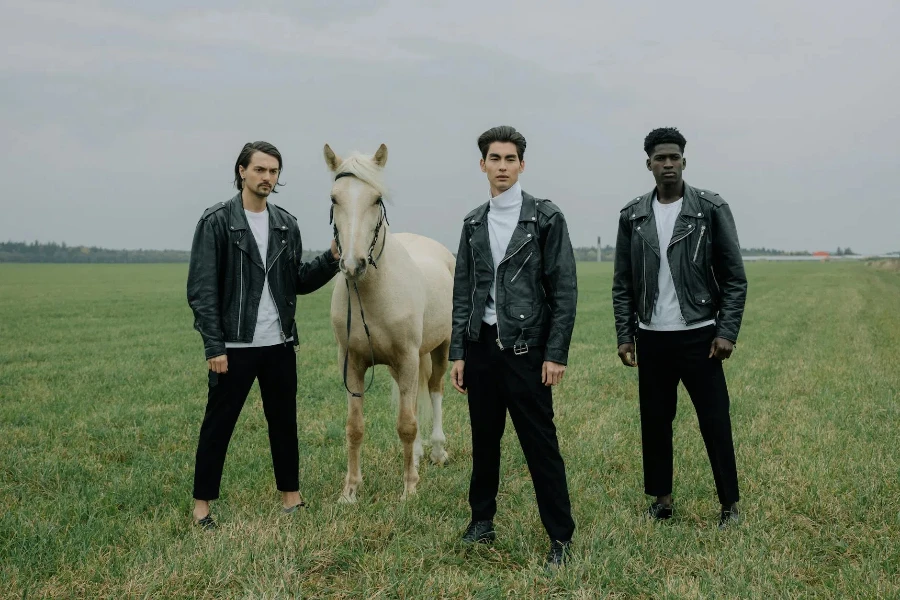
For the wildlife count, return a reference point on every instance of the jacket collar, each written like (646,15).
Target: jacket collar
(279,227)
(689,208)
(642,213)
(527,214)
(480,240)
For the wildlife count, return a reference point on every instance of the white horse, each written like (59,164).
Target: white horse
(404,284)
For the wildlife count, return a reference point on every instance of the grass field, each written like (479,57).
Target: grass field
(102,390)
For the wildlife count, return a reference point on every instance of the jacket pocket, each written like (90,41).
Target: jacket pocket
(703,298)
(520,312)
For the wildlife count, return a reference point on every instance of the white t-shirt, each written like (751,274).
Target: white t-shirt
(268,327)
(667,312)
(502,220)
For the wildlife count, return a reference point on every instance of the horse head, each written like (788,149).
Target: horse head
(358,213)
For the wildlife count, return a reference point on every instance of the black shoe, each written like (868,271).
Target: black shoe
(481,532)
(293,509)
(660,512)
(729,517)
(559,553)
(207,523)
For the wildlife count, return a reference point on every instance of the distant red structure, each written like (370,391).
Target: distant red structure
(821,254)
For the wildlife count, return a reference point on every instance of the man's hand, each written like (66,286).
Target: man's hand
(627,355)
(334,249)
(218,364)
(456,376)
(721,349)
(552,373)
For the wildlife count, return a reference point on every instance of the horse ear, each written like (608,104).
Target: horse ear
(331,159)
(381,155)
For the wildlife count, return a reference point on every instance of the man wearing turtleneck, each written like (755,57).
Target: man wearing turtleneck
(514,297)
(503,217)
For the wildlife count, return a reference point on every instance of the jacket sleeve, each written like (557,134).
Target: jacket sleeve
(560,280)
(728,269)
(313,275)
(203,288)
(623,288)
(462,293)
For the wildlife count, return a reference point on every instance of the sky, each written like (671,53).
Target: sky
(120,123)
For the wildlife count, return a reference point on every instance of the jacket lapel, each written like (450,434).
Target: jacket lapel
(278,234)
(240,232)
(481,240)
(644,222)
(521,235)
(687,218)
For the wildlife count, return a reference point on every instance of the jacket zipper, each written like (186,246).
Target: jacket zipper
(469,323)
(702,231)
(274,303)
(644,273)
(679,239)
(241,297)
(527,258)
(499,335)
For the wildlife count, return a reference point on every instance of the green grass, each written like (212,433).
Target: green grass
(102,390)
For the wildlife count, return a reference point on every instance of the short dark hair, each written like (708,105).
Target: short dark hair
(247,152)
(503,133)
(663,135)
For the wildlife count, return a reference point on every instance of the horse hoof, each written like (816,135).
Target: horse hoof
(347,498)
(440,459)
(407,495)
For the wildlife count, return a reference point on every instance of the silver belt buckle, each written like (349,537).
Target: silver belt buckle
(520,350)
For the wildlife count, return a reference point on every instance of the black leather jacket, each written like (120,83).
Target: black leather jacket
(537,288)
(226,274)
(704,258)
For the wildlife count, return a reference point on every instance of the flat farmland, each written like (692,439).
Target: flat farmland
(103,387)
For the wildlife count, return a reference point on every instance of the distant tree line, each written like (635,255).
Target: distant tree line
(35,252)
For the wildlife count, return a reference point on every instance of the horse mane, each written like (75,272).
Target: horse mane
(363,167)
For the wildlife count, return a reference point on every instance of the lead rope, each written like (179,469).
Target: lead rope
(368,337)
(362,314)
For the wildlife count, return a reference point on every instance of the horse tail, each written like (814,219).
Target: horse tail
(423,397)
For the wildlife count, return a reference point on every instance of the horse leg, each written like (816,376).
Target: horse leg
(407,421)
(439,454)
(355,381)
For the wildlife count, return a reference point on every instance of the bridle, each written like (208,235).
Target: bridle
(372,260)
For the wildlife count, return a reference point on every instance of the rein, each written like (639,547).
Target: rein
(372,260)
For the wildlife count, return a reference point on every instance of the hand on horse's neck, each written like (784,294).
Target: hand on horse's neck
(253,202)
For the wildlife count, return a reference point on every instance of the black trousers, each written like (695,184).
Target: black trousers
(276,369)
(664,359)
(498,381)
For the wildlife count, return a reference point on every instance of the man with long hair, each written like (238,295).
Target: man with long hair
(245,272)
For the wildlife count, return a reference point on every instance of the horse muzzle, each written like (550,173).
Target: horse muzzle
(354,268)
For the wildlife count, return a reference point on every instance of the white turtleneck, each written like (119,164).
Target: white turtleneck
(503,217)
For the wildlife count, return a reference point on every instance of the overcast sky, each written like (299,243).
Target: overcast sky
(120,123)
